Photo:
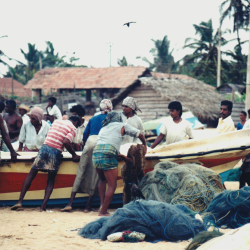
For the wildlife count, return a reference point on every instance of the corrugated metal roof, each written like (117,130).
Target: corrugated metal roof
(19,90)
(85,78)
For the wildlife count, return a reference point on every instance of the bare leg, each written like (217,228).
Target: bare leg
(48,190)
(26,185)
(111,177)
(101,185)
(88,206)
(69,206)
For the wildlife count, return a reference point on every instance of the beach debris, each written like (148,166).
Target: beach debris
(133,172)
(126,236)
(32,225)
(54,220)
(49,211)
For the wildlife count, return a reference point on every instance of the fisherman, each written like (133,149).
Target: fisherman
(34,132)
(129,116)
(243,116)
(226,123)
(247,124)
(86,176)
(105,155)
(49,157)
(175,130)
(13,120)
(53,110)
(80,112)
(4,134)
(23,110)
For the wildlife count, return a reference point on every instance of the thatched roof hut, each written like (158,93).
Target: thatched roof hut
(154,95)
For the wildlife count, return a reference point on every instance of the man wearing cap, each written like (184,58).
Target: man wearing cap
(129,116)
(23,110)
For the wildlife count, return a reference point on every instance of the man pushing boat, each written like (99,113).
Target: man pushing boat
(60,135)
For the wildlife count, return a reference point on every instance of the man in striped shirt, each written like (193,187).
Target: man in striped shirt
(60,135)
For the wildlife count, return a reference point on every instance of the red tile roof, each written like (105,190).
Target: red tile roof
(18,88)
(158,75)
(85,78)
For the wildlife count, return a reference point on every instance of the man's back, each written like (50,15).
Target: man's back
(59,130)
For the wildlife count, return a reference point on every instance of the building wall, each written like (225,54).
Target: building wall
(151,103)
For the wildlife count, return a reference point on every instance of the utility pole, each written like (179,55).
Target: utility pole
(218,58)
(248,75)
(110,47)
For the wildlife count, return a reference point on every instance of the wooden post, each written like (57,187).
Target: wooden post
(38,95)
(248,75)
(218,59)
(88,95)
(98,92)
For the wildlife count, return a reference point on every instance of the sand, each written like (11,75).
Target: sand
(31,229)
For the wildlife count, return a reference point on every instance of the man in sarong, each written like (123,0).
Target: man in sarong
(49,157)
(87,177)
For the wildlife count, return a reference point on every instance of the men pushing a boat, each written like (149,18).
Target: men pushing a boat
(175,130)
(225,123)
(49,157)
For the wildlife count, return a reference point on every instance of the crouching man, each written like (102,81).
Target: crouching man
(60,135)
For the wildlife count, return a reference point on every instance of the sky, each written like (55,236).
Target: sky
(88,28)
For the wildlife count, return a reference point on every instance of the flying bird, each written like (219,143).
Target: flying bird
(128,23)
(136,192)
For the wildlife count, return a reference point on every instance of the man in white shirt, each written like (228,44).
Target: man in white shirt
(53,110)
(177,130)
(23,110)
(226,123)
(247,123)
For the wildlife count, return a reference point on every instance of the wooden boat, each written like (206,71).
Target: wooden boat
(219,153)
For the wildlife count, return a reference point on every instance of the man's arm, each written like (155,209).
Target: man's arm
(158,140)
(6,139)
(67,145)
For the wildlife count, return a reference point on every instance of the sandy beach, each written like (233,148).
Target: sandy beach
(31,229)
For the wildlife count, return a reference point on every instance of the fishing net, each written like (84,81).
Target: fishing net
(188,184)
(230,208)
(234,175)
(157,220)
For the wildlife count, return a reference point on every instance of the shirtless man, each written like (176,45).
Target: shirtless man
(13,120)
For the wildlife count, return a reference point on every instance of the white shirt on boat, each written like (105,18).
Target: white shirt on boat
(25,118)
(225,125)
(177,131)
(79,133)
(55,111)
(134,121)
(32,140)
(247,124)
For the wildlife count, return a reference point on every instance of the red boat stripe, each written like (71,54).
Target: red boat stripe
(214,162)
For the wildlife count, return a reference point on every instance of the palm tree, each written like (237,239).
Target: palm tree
(239,9)
(204,57)
(122,62)
(163,59)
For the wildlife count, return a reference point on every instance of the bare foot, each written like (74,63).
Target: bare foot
(87,210)
(42,209)
(15,207)
(66,209)
(104,214)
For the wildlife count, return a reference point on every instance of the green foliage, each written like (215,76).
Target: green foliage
(122,62)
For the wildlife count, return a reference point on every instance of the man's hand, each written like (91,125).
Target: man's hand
(125,158)
(13,155)
(76,158)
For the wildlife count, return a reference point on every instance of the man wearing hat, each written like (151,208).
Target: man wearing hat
(23,110)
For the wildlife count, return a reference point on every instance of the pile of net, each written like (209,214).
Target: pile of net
(188,184)
(230,208)
(157,220)
(234,175)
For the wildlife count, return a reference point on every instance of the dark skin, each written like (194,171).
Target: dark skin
(127,111)
(22,112)
(52,117)
(6,139)
(224,112)
(51,178)
(242,119)
(13,121)
(34,121)
(175,114)
(78,147)
(110,177)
